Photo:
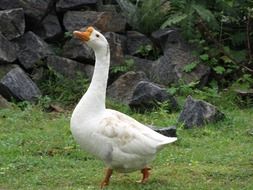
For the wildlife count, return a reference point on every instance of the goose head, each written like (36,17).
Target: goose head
(92,38)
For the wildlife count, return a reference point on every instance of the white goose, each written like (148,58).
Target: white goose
(123,143)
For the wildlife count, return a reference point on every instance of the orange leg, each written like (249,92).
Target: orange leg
(106,180)
(145,174)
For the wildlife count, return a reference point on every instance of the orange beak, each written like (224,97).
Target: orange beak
(85,36)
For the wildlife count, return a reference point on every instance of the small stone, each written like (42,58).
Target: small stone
(246,96)
(166,131)
(198,113)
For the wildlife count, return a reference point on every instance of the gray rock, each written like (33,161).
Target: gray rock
(117,47)
(34,10)
(49,29)
(140,64)
(4,103)
(63,5)
(166,131)
(147,95)
(198,113)
(12,23)
(136,40)
(16,84)
(104,21)
(169,68)
(67,67)
(32,49)
(168,38)
(122,89)
(7,50)
(79,51)
(177,55)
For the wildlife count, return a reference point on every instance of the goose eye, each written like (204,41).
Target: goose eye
(97,35)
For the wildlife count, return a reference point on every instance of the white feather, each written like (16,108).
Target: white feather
(120,141)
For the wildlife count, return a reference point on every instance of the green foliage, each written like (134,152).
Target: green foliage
(145,15)
(127,66)
(186,12)
(222,30)
(183,88)
(190,67)
(148,52)
(58,88)
(68,35)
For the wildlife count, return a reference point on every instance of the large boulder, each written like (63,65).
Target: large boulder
(170,68)
(16,84)
(141,64)
(117,45)
(64,5)
(104,21)
(12,23)
(7,50)
(147,95)
(67,67)
(49,29)
(31,50)
(122,89)
(198,113)
(77,50)
(168,38)
(34,10)
(136,41)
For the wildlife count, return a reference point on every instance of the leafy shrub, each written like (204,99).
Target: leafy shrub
(57,88)
(222,30)
(145,16)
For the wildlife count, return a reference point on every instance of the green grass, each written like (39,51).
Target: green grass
(37,151)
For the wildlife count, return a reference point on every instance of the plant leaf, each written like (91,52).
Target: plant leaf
(174,19)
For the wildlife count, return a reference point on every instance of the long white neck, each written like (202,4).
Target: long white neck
(93,101)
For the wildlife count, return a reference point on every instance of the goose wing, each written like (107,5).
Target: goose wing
(130,136)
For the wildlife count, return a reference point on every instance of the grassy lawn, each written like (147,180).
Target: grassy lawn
(37,151)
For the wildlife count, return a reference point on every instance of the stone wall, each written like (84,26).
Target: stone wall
(32,31)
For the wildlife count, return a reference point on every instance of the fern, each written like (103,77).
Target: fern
(174,19)
(205,14)
(145,16)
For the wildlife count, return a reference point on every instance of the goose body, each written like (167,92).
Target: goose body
(123,143)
